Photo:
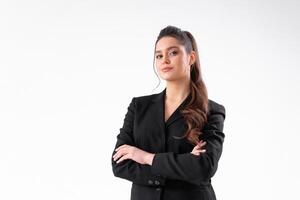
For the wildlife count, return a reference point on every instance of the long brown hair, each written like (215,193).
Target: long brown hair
(195,113)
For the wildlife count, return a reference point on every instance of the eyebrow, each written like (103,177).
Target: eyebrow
(167,48)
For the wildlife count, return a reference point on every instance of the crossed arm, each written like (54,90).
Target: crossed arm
(139,166)
(126,151)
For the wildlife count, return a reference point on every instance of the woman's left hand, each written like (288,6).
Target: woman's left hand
(131,152)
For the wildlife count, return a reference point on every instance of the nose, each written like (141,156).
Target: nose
(166,60)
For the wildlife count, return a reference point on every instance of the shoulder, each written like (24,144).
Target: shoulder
(216,108)
(143,100)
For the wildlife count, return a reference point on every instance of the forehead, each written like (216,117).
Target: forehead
(166,43)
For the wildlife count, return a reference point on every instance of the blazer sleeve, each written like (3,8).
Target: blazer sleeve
(129,169)
(189,167)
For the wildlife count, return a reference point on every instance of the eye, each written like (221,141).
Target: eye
(174,52)
(158,56)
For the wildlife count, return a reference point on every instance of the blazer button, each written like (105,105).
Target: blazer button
(156,182)
(150,182)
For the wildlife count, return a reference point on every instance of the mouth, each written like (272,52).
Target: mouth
(166,69)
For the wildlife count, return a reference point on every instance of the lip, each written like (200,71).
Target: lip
(166,69)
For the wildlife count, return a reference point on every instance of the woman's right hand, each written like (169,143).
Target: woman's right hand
(197,149)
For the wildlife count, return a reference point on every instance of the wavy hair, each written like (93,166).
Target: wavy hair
(195,113)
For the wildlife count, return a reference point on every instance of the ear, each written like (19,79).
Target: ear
(192,57)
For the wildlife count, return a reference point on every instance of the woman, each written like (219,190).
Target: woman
(171,142)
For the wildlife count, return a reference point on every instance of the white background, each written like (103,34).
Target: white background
(68,70)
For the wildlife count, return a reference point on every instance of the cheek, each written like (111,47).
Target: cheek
(185,61)
(180,61)
(181,65)
(185,65)
(158,64)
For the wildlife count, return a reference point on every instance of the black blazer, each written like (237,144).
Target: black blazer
(175,173)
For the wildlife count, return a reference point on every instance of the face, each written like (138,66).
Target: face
(171,60)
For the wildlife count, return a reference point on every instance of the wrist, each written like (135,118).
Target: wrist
(149,158)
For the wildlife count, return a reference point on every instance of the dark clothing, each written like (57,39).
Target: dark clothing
(175,173)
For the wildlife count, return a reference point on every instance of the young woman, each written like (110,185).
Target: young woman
(171,142)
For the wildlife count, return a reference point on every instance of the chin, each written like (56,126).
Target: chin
(169,78)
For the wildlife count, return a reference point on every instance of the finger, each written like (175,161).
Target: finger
(201,141)
(123,158)
(195,153)
(122,150)
(201,144)
(198,143)
(199,151)
(120,147)
(116,156)
(117,149)
(119,153)
(198,146)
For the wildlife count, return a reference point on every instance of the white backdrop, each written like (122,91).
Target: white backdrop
(68,70)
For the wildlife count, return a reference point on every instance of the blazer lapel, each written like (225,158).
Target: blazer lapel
(159,103)
(176,115)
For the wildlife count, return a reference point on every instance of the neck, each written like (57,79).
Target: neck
(176,91)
